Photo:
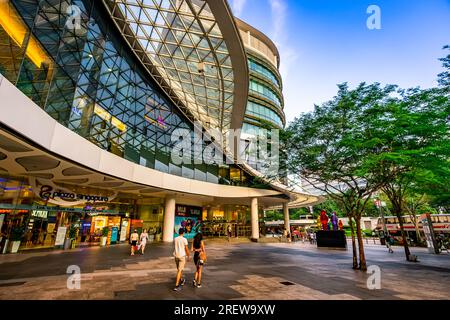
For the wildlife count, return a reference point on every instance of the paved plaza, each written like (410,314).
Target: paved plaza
(259,271)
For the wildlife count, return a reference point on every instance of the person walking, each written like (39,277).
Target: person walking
(229,232)
(134,239)
(389,242)
(181,254)
(198,247)
(143,240)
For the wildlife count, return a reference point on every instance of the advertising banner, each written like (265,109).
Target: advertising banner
(189,218)
(114,233)
(60,236)
(123,230)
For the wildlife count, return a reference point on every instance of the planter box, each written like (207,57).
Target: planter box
(331,239)
(103,241)
(14,246)
(158,237)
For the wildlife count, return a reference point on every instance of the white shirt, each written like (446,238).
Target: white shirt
(180,244)
(144,237)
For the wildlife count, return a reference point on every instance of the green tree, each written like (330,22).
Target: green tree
(273,215)
(330,206)
(444,77)
(416,144)
(333,149)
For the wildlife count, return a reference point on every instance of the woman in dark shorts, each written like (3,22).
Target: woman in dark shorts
(198,246)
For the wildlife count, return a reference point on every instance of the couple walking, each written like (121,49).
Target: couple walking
(142,239)
(182,255)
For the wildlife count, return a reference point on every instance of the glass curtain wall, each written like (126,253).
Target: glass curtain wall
(86,79)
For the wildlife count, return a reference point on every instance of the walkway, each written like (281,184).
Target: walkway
(234,271)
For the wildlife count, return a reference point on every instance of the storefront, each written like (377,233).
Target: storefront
(116,226)
(36,223)
(216,220)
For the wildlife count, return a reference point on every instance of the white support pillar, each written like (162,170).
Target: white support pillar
(169,219)
(287,224)
(254,219)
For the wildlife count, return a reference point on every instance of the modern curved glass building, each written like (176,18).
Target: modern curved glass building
(265,102)
(93,97)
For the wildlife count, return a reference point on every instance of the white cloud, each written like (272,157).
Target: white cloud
(238,6)
(280,35)
(288,53)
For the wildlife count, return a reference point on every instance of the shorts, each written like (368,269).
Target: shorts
(197,261)
(133,243)
(180,262)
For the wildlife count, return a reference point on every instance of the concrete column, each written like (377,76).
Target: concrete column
(254,219)
(169,219)
(287,224)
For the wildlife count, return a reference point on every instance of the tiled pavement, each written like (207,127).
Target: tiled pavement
(234,271)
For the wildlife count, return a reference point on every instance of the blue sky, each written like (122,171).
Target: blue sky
(326,42)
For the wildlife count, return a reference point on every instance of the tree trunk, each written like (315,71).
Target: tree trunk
(355,256)
(362,257)
(405,242)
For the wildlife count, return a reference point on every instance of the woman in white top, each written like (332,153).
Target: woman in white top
(143,238)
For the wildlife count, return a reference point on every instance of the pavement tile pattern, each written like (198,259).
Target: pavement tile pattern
(235,271)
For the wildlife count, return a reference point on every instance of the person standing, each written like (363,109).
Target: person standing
(313,238)
(198,247)
(134,239)
(143,240)
(229,232)
(181,254)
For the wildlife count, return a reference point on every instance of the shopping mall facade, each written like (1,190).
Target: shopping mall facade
(92,94)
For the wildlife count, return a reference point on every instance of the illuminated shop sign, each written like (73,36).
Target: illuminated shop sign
(11,211)
(188,211)
(39,214)
(47,193)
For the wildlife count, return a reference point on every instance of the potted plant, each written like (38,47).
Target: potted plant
(73,233)
(104,238)
(15,238)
